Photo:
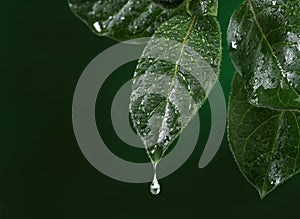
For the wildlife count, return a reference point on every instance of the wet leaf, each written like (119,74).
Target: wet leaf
(122,19)
(174,76)
(204,7)
(264,44)
(264,142)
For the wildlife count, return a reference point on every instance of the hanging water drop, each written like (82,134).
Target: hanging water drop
(154,187)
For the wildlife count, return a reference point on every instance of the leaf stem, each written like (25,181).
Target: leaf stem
(187,7)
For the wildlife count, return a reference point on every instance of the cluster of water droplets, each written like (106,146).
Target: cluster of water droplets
(135,17)
(275,174)
(279,167)
(237,36)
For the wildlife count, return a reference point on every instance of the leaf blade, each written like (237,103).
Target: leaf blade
(264,44)
(122,19)
(265,143)
(178,68)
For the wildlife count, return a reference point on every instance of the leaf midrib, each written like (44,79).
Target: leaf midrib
(272,154)
(181,52)
(184,42)
(270,47)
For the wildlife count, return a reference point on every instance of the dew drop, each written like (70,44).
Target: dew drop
(97,26)
(234,44)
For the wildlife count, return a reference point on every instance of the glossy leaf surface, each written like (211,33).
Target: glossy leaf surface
(174,76)
(264,142)
(264,43)
(122,19)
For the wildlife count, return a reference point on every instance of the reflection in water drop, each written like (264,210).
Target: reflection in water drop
(154,187)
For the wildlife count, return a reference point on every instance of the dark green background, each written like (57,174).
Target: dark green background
(44,49)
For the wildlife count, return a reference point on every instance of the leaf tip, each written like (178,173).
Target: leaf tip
(262,194)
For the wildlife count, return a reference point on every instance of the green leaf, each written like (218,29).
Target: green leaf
(264,44)
(264,142)
(174,76)
(122,19)
(204,7)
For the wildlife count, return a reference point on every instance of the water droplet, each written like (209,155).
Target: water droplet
(234,44)
(154,187)
(97,26)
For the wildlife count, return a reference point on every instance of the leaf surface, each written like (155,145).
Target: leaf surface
(174,76)
(204,7)
(264,142)
(122,19)
(264,44)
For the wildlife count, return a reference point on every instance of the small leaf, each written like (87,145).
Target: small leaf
(264,43)
(174,76)
(264,142)
(122,19)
